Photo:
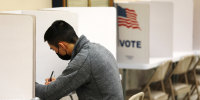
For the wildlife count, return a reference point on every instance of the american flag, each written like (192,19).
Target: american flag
(127,18)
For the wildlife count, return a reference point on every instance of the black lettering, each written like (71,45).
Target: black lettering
(121,43)
(138,44)
(127,43)
(133,44)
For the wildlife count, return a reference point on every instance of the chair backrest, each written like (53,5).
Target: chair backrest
(183,65)
(161,71)
(138,96)
(194,62)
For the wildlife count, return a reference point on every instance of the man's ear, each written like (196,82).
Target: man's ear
(62,45)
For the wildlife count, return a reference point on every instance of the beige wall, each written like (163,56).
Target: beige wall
(24,4)
(129,0)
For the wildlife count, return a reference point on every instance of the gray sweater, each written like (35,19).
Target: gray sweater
(92,73)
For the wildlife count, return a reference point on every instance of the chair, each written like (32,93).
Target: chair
(194,78)
(158,76)
(138,96)
(181,68)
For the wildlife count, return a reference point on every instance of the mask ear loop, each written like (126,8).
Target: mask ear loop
(62,47)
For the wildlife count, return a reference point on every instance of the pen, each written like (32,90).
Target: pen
(50,79)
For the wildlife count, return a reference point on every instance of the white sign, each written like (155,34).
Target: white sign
(144,31)
(133,37)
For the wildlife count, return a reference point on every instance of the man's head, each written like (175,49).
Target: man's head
(61,37)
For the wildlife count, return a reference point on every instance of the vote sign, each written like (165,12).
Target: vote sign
(133,33)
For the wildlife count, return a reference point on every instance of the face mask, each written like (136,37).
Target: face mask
(65,57)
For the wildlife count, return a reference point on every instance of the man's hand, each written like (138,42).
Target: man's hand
(47,81)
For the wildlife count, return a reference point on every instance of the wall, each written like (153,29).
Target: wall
(24,4)
(129,0)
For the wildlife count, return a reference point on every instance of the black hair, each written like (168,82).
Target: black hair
(60,31)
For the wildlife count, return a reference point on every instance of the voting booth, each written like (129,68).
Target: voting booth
(46,59)
(151,33)
(98,24)
(182,27)
(17,69)
(196,27)
(145,31)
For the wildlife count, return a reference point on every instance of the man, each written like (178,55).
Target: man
(92,71)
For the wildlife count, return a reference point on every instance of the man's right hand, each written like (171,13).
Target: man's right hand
(47,81)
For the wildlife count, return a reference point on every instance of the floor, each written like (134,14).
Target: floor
(181,97)
(193,97)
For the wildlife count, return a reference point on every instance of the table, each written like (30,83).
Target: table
(153,63)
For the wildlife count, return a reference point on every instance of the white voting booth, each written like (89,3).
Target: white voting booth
(166,34)
(196,27)
(46,59)
(182,27)
(98,24)
(160,31)
(17,69)
(148,39)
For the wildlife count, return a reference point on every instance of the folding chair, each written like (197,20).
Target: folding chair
(181,68)
(138,96)
(158,76)
(194,78)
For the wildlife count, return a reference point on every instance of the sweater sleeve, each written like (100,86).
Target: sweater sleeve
(72,77)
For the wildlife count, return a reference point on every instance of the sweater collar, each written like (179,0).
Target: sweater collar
(79,45)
